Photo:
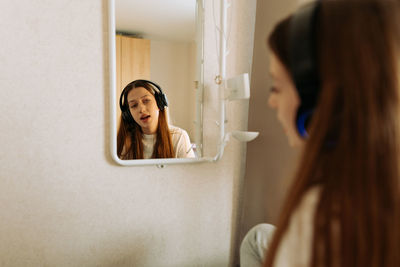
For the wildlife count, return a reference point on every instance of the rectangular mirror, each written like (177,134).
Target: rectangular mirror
(157,50)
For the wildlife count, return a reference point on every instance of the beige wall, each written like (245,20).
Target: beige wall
(63,201)
(173,67)
(270,161)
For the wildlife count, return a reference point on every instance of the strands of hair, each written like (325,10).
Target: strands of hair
(357,218)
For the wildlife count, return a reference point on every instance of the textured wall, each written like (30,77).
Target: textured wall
(63,201)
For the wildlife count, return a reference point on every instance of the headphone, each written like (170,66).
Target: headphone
(303,62)
(161,99)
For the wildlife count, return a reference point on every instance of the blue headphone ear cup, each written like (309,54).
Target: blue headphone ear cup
(303,61)
(302,121)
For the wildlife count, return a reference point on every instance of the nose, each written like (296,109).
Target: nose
(141,107)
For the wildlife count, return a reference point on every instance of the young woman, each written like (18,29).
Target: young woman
(343,208)
(144,131)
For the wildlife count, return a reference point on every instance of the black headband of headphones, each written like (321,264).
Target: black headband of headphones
(160,97)
(303,61)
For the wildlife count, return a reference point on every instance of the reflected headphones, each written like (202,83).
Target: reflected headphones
(303,62)
(161,99)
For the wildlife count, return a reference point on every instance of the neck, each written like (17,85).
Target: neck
(149,131)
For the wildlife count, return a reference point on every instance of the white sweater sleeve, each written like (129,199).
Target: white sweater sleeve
(296,245)
(182,146)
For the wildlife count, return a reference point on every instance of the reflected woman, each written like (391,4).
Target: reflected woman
(144,132)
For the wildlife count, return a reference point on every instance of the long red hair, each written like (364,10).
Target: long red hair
(352,151)
(130,135)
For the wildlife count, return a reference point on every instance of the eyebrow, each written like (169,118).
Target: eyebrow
(134,100)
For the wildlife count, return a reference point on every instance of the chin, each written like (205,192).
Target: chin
(292,144)
(295,141)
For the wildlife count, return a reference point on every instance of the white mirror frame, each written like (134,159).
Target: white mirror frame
(113,98)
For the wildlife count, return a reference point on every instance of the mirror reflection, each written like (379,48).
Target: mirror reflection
(144,131)
(157,67)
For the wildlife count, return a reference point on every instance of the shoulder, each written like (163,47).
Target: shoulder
(181,143)
(176,131)
(303,216)
(296,244)
(178,135)
(310,199)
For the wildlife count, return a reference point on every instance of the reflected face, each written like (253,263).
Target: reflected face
(144,109)
(285,100)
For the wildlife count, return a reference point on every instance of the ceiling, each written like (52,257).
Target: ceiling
(172,20)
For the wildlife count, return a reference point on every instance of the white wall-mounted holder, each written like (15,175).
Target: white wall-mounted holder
(243,136)
(229,89)
(236,88)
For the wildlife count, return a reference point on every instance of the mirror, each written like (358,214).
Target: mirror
(160,42)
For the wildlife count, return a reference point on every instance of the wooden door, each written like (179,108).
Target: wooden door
(133,62)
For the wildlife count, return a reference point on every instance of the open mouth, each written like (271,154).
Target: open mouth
(145,118)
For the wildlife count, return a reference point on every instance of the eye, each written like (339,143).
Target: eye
(274,90)
(134,105)
(145,101)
